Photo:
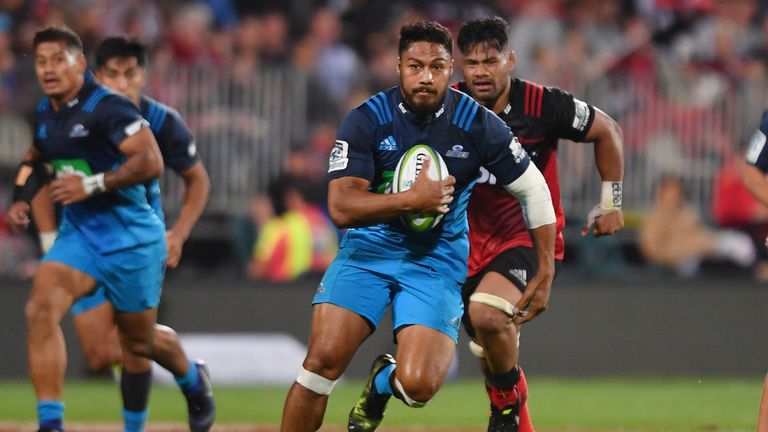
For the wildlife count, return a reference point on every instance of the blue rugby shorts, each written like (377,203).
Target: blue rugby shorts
(132,279)
(366,283)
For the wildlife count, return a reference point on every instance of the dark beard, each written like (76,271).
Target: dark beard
(422,111)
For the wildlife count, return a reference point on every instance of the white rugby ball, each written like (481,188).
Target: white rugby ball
(408,168)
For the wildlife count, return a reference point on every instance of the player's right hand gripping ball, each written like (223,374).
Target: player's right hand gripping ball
(408,168)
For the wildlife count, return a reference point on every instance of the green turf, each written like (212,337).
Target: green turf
(556,404)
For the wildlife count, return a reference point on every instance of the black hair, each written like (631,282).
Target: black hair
(58,34)
(493,32)
(120,47)
(425,31)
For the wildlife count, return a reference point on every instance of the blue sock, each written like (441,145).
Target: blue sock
(381,382)
(134,420)
(50,415)
(189,382)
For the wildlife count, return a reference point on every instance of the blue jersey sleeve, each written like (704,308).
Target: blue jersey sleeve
(500,151)
(352,155)
(177,143)
(119,117)
(757,154)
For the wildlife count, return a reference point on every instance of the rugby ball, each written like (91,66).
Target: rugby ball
(408,168)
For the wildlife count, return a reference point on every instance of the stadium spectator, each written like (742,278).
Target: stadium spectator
(335,65)
(382,262)
(110,235)
(673,236)
(295,242)
(734,207)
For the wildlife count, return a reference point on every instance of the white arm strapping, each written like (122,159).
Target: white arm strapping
(535,200)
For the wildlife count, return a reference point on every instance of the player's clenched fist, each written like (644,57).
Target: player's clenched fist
(174,249)
(18,215)
(432,196)
(68,189)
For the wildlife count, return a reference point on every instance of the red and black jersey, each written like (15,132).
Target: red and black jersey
(539,116)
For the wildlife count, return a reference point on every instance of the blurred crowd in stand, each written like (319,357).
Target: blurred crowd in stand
(686,79)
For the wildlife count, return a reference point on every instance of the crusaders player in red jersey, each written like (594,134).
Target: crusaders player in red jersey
(502,259)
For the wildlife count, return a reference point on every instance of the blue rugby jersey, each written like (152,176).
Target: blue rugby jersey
(373,137)
(175,141)
(82,137)
(757,153)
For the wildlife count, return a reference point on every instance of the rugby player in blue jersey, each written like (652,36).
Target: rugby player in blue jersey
(121,67)
(756,181)
(381,262)
(105,158)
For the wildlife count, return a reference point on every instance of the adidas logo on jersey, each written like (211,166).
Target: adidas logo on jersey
(520,274)
(388,144)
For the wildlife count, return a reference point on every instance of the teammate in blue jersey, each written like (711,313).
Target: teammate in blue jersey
(121,67)
(756,180)
(104,156)
(380,262)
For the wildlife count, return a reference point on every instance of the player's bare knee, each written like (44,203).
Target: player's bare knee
(98,359)
(165,331)
(41,310)
(414,393)
(418,387)
(324,361)
(139,346)
(324,364)
(488,320)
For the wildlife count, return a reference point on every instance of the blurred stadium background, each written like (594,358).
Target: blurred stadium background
(263,83)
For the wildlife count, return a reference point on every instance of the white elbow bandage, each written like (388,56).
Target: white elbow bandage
(535,200)
(94,184)
(315,382)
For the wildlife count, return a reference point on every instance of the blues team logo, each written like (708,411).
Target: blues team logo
(78,131)
(457,151)
(339,156)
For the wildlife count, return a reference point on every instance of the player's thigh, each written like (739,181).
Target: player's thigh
(136,327)
(90,301)
(68,271)
(506,277)
(134,277)
(95,325)
(427,298)
(336,335)
(55,287)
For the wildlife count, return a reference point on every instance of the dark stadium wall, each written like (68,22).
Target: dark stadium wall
(593,327)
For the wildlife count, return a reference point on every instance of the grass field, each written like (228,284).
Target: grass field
(556,404)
